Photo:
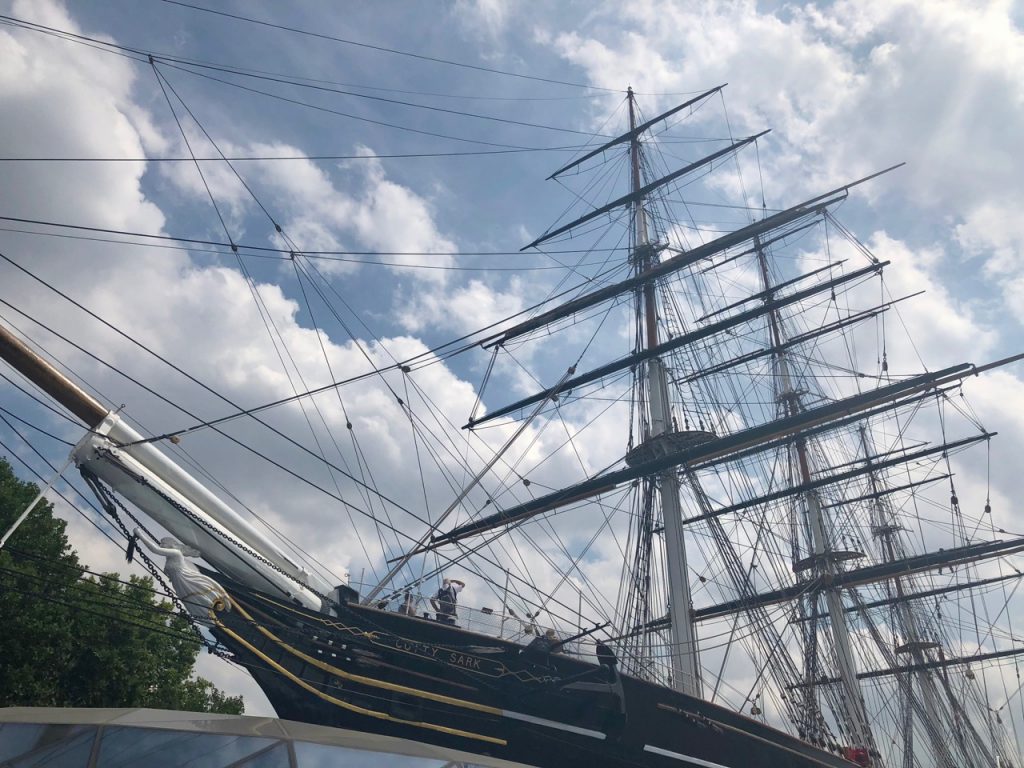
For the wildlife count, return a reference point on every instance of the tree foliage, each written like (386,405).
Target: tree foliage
(72,640)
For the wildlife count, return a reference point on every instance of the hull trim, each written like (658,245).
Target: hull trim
(281,639)
(746,734)
(373,682)
(553,724)
(353,707)
(370,681)
(685,758)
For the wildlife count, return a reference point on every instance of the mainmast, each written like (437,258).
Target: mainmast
(825,562)
(683,639)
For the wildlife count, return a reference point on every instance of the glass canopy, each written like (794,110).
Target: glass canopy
(33,737)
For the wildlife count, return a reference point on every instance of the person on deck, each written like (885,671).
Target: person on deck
(544,645)
(445,600)
(530,625)
(552,639)
(408,607)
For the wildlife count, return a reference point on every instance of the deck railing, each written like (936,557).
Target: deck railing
(504,625)
(509,626)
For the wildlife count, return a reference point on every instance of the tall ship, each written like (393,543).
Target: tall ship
(788,576)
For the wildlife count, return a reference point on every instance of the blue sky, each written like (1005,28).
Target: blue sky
(847,88)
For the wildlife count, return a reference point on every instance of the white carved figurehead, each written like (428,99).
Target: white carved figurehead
(200,593)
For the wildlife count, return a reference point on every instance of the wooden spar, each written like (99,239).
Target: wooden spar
(50,380)
(764,242)
(630,135)
(858,577)
(888,490)
(775,221)
(762,295)
(713,612)
(680,341)
(822,481)
(674,264)
(877,494)
(730,446)
(937,664)
(847,187)
(646,189)
(156,484)
(915,596)
(795,341)
(870,574)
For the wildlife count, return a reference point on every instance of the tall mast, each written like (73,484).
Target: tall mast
(886,529)
(789,397)
(682,634)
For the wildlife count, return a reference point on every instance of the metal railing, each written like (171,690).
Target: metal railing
(522,630)
(504,625)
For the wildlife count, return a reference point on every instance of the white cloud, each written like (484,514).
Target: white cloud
(41,72)
(462,309)
(486,17)
(355,207)
(201,317)
(848,89)
(942,328)
(205,319)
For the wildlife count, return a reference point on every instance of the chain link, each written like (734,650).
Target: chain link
(111,504)
(216,530)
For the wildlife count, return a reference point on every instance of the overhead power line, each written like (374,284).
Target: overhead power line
(285,251)
(393,51)
(264,158)
(326,257)
(383,99)
(145,56)
(379,88)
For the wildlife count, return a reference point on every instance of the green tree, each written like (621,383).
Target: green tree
(71,640)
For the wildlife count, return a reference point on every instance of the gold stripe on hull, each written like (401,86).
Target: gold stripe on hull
(370,681)
(349,706)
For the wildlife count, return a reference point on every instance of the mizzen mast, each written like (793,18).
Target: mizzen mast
(683,639)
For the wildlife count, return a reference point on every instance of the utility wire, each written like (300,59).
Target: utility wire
(144,56)
(30,425)
(104,45)
(266,158)
(286,251)
(424,57)
(349,115)
(323,257)
(382,99)
(234,440)
(393,51)
(41,479)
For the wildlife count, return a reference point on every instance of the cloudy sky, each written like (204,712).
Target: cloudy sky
(437,125)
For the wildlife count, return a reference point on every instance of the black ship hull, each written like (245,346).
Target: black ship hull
(414,678)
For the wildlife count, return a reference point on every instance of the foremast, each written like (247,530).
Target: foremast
(682,633)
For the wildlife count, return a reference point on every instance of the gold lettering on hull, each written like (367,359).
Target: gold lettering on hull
(462,660)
